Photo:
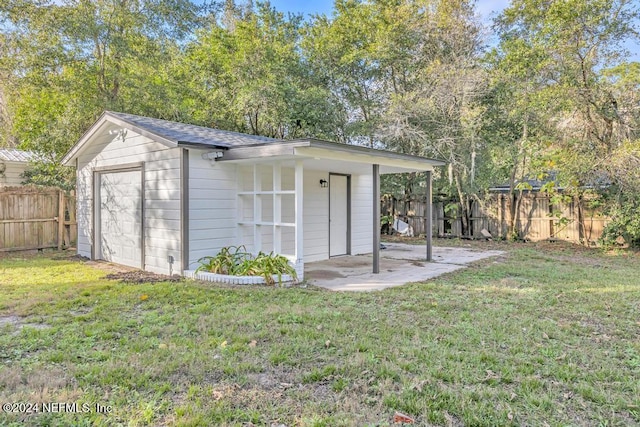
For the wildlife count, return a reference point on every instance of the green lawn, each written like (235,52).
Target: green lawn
(549,335)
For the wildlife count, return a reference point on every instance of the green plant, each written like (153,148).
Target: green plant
(625,223)
(236,261)
(269,265)
(225,262)
(386,222)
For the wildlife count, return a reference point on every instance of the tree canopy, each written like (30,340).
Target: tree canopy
(556,95)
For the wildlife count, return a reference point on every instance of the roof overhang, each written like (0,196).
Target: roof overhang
(108,118)
(390,161)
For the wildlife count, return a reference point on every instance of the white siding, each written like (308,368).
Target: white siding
(12,171)
(212,206)
(361,214)
(316,217)
(162,193)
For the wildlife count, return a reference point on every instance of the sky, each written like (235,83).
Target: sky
(484,7)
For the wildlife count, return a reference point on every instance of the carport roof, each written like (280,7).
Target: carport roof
(330,155)
(236,145)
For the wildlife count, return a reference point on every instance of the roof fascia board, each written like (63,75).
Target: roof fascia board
(127,124)
(367,158)
(333,146)
(325,148)
(201,145)
(107,116)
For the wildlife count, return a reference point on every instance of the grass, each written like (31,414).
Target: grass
(548,336)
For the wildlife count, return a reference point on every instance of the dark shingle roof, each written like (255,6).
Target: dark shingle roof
(181,133)
(13,155)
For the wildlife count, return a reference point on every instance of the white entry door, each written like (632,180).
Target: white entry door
(338,215)
(120,218)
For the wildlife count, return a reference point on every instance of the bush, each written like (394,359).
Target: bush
(625,222)
(236,261)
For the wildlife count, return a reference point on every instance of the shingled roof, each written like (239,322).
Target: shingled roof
(181,133)
(174,134)
(13,155)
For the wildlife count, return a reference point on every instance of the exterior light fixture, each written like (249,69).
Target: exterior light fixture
(324,183)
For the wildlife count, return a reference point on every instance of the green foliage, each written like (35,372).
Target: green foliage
(50,174)
(227,261)
(386,220)
(625,222)
(556,94)
(251,77)
(63,63)
(236,261)
(503,343)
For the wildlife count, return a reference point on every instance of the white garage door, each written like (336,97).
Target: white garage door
(120,225)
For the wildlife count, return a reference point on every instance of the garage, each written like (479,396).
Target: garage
(119,217)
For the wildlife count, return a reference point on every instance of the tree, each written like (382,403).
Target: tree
(65,62)
(340,51)
(584,122)
(245,73)
(409,76)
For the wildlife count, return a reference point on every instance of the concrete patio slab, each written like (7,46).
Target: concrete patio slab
(399,264)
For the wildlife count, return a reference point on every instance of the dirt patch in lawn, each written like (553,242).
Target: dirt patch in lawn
(18,323)
(139,276)
(9,320)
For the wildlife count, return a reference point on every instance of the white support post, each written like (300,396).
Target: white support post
(277,208)
(376,219)
(257,209)
(299,230)
(428,231)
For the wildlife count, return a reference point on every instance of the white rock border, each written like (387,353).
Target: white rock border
(233,280)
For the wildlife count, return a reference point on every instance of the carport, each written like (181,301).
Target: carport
(399,264)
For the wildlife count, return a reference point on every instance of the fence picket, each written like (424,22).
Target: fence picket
(30,218)
(537,220)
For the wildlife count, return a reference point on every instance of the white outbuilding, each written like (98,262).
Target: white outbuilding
(13,163)
(158,195)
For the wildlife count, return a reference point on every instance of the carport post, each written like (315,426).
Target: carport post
(299,206)
(428,231)
(376,219)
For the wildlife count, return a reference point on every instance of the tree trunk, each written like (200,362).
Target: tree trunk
(464,208)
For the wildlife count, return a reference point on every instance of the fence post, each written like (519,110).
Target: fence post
(60,218)
(73,226)
(500,215)
(429,217)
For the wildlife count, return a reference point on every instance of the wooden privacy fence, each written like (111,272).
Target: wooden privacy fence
(539,218)
(36,218)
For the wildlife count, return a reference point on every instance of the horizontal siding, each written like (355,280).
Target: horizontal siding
(162,193)
(12,173)
(361,214)
(316,217)
(212,206)
(162,224)
(161,206)
(166,184)
(218,195)
(84,201)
